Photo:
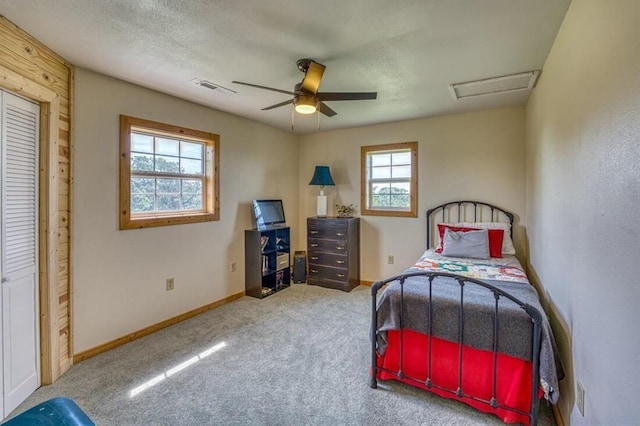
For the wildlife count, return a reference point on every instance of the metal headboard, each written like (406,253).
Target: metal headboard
(465,211)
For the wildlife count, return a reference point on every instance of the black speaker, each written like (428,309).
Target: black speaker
(300,267)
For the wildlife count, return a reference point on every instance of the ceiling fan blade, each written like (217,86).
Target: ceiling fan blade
(286,92)
(290,101)
(326,110)
(346,96)
(312,77)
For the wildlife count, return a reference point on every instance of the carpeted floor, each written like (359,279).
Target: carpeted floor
(299,357)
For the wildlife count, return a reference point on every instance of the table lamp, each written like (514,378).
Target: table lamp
(322,177)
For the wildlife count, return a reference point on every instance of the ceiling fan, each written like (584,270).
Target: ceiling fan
(306,98)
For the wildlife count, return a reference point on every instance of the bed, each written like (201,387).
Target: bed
(464,322)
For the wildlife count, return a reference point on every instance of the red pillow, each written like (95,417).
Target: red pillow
(495,238)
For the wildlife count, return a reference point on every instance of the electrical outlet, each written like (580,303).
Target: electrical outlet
(580,397)
(232,266)
(390,259)
(170,283)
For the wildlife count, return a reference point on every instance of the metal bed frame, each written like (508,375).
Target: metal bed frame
(462,208)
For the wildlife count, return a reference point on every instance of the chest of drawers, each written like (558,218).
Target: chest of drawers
(333,249)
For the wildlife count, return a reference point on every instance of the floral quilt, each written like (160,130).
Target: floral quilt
(472,268)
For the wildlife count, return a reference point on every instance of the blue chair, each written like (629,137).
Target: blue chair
(54,412)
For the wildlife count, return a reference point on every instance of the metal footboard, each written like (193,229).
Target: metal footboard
(534,314)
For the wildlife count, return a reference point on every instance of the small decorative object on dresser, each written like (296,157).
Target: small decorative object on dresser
(333,247)
(345,211)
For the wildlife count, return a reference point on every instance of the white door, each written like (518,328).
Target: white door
(19,242)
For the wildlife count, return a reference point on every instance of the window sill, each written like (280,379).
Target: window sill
(127,222)
(391,213)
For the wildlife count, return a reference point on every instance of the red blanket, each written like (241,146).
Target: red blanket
(514,374)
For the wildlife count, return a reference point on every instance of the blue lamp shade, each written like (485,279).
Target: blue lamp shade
(322,177)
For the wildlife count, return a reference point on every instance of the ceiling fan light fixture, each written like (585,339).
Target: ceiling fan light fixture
(305,96)
(306,104)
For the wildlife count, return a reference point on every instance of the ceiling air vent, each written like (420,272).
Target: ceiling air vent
(213,86)
(495,85)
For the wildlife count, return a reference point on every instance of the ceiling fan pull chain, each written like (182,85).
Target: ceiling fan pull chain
(292,116)
(318,115)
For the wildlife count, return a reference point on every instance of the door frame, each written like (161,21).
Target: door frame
(47,218)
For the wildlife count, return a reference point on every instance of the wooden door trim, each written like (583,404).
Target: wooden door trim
(47,217)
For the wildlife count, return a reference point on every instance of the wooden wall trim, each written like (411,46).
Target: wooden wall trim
(50,321)
(48,215)
(152,329)
(23,86)
(30,69)
(48,234)
(557,415)
(69,338)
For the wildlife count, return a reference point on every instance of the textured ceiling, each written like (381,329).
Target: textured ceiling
(409,51)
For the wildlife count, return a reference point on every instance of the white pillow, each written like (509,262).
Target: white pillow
(507,244)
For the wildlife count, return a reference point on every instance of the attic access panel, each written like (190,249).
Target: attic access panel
(495,85)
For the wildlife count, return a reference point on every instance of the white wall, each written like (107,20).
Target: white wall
(583,194)
(476,155)
(119,276)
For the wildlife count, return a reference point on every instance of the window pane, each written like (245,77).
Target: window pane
(141,203)
(400,158)
(381,159)
(192,167)
(379,196)
(401,172)
(400,201)
(168,186)
(400,188)
(167,164)
(191,150)
(141,143)
(167,147)
(380,200)
(141,162)
(168,202)
(191,186)
(192,201)
(143,185)
(381,173)
(380,188)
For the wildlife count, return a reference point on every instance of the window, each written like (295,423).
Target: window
(389,184)
(168,174)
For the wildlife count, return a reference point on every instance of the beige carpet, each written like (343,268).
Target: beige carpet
(299,357)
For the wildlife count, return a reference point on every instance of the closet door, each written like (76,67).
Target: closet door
(19,260)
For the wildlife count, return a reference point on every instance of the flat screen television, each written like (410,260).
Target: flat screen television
(268,213)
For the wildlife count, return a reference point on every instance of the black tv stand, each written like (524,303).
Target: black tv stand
(267,260)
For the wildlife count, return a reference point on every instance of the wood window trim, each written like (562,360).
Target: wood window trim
(364,151)
(212,162)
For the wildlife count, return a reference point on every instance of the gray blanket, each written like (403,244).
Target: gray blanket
(515,325)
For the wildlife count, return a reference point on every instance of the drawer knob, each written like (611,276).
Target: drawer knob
(315,271)
(314,245)
(340,275)
(314,257)
(313,232)
(339,247)
(340,234)
(340,262)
